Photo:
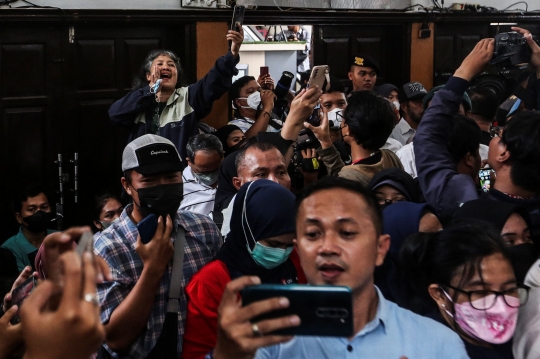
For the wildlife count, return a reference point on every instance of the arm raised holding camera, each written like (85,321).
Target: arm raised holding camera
(442,185)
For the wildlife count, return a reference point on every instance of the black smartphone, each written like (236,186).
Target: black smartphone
(147,228)
(485,178)
(323,310)
(238,18)
(19,294)
(264,70)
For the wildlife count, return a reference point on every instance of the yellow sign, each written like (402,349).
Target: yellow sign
(359,61)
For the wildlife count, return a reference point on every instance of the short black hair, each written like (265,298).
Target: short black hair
(436,258)
(335,85)
(32,190)
(261,146)
(203,142)
(521,136)
(464,138)
(334,182)
(484,103)
(370,119)
(236,87)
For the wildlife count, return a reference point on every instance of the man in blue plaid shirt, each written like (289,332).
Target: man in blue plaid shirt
(133,305)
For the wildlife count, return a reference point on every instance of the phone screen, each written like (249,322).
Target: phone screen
(485,178)
(20,293)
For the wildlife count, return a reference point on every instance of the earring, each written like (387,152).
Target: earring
(443,306)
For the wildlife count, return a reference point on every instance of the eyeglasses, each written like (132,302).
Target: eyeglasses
(496,131)
(485,299)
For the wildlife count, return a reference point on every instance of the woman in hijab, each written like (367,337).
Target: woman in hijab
(393,185)
(259,244)
(512,222)
(401,220)
(231,136)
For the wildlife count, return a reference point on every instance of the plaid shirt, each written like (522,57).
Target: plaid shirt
(117,246)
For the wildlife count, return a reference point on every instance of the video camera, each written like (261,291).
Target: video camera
(511,53)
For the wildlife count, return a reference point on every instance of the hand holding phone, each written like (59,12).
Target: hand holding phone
(19,294)
(147,228)
(323,310)
(320,76)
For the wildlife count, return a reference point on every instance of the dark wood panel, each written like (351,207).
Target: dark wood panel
(136,50)
(389,45)
(95,60)
(22,68)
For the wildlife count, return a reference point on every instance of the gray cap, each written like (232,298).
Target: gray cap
(151,154)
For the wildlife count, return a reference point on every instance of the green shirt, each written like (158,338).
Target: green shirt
(22,248)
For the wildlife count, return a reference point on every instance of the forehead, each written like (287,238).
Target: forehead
(357,69)
(236,133)
(250,86)
(333,96)
(494,269)
(163,58)
(136,176)
(331,205)
(255,158)
(111,205)
(35,201)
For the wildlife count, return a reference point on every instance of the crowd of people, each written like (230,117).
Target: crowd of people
(374,188)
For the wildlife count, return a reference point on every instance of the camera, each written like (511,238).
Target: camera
(511,52)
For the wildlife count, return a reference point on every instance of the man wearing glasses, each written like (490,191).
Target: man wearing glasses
(514,151)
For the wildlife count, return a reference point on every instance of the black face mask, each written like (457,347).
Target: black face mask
(523,257)
(161,200)
(39,221)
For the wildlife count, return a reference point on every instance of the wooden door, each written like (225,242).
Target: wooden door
(31,65)
(389,45)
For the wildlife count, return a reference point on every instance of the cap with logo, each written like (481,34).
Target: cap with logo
(151,154)
(366,61)
(412,91)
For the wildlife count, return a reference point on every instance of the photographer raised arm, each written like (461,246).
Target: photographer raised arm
(443,187)
(534,62)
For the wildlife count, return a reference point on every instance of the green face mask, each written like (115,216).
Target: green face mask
(269,257)
(266,257)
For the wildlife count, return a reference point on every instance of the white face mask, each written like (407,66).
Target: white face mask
(336,117)
(253,100)
(396,104)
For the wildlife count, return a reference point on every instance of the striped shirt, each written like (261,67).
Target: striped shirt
(116,245)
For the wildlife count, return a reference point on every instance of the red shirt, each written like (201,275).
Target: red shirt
(204,293)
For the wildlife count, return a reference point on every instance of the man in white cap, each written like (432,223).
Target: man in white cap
(135,309)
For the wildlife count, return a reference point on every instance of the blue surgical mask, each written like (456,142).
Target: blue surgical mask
(266,257)
(269,257)
(209,178)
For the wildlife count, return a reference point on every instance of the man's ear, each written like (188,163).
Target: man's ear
(469,160)
(350,74)
(237,182)
(18,217)
(188,162)
(382,248)
(126,185)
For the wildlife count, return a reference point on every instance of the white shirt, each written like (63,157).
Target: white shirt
(245,124)
(406,156)
(526,342)
(402,132)
(227,214)
(392,145)
(198,197)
